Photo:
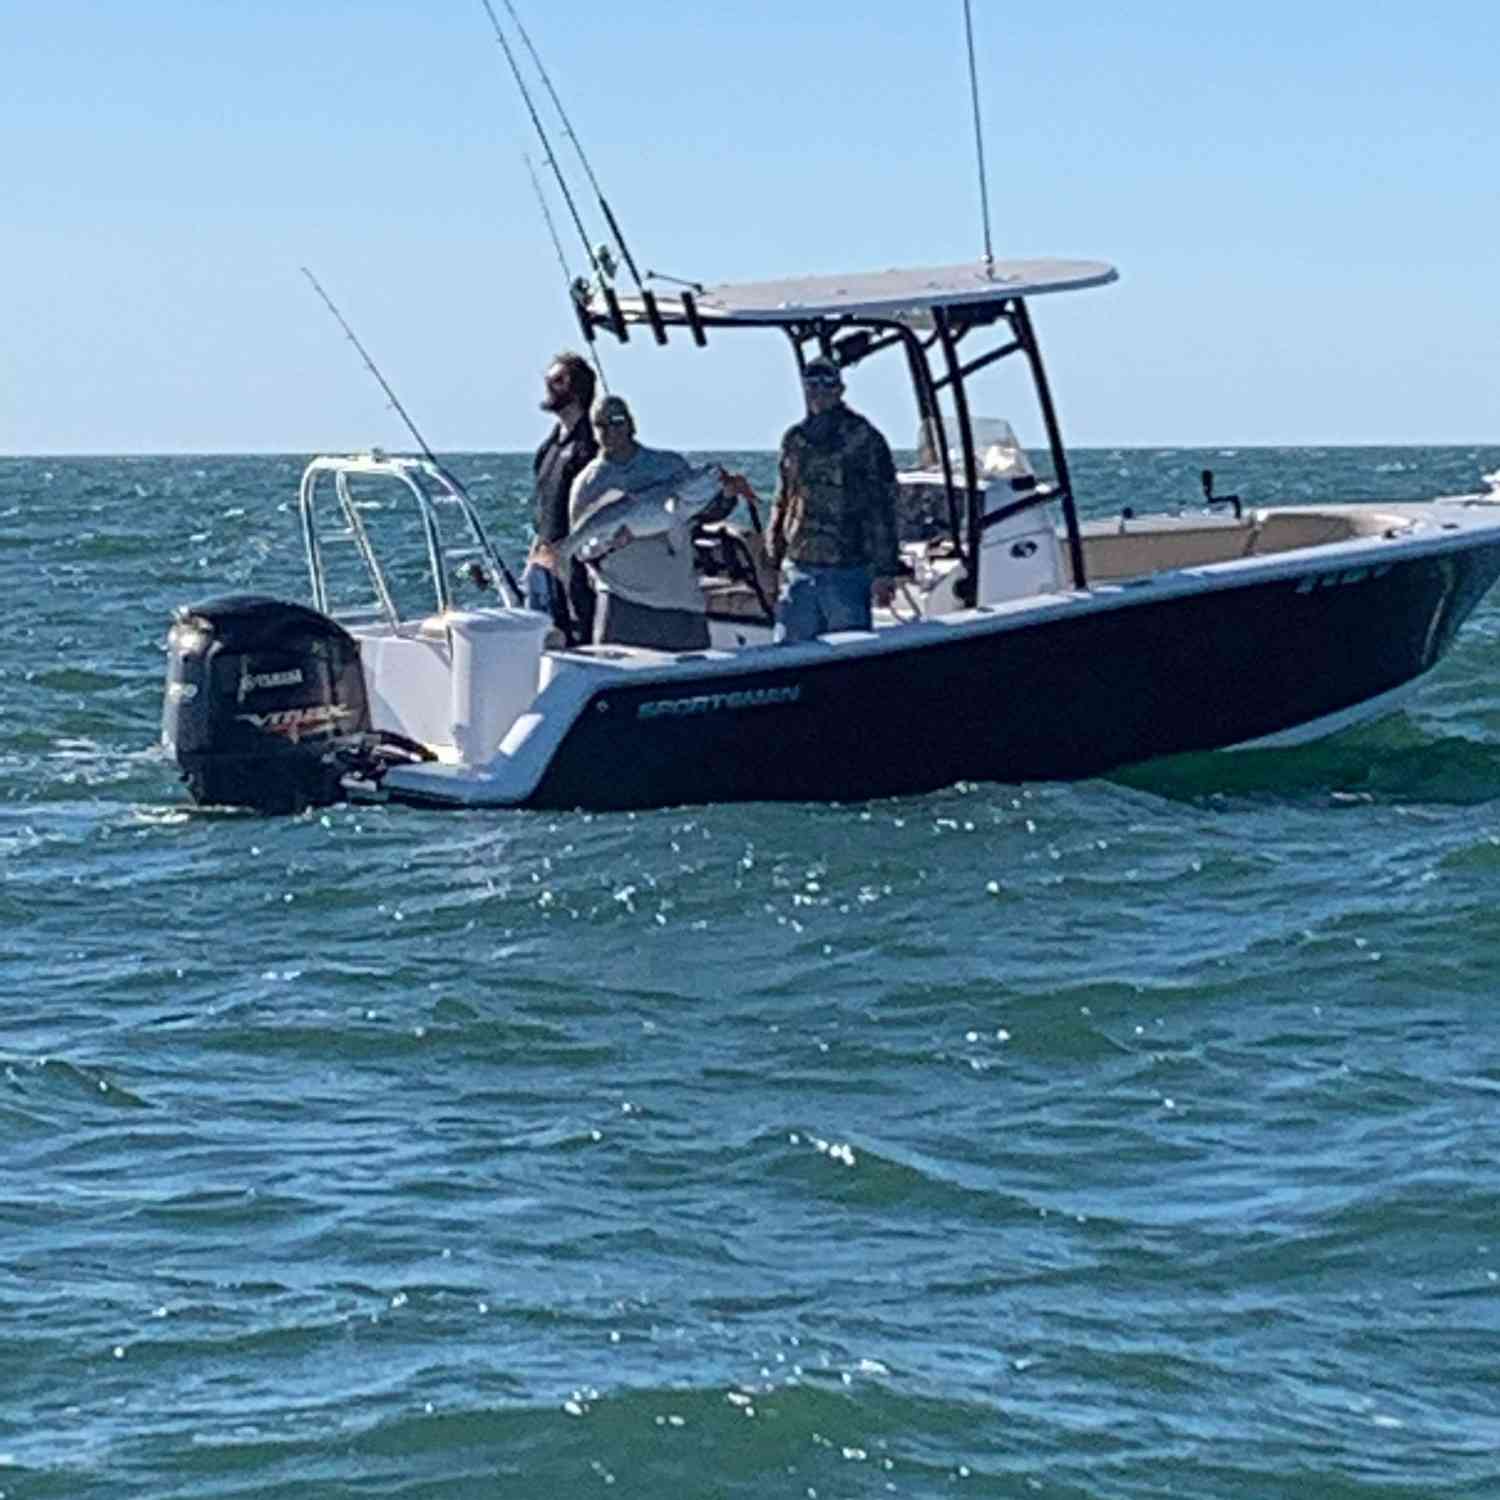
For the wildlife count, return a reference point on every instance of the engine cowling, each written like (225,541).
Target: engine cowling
(261,695)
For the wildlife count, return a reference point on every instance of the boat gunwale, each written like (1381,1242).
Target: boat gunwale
(1013,614)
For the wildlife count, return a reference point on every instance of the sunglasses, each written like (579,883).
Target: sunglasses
(821,377)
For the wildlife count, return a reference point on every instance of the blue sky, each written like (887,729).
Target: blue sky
(1304,203)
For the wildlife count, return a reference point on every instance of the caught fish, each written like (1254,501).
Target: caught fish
(648,511)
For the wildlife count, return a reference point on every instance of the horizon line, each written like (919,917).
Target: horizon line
(396,451)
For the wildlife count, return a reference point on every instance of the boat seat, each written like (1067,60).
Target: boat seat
(1154,544)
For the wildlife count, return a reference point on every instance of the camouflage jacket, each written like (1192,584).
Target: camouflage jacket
(836,507)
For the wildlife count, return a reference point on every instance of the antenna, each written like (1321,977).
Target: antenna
(984,189)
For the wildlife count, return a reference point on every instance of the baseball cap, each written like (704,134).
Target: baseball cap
(821,370)
(609,411)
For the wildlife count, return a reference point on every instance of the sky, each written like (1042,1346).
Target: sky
(1303,201)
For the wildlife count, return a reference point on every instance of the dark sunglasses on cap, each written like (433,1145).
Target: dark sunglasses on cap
(821,376)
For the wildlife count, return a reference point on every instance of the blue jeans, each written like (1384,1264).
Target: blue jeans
(816,600)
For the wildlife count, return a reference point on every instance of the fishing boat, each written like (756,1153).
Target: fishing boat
(1026,644)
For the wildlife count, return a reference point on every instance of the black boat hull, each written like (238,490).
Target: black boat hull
(1071,696)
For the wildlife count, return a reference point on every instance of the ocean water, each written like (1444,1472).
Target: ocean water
(1131,1138)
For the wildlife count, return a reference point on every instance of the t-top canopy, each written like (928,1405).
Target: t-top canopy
(892,294)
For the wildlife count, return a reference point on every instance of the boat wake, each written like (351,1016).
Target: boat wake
(1395,761)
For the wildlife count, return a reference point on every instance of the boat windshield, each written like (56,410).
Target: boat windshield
(997,450)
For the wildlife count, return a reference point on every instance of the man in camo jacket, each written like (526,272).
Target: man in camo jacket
(833,527)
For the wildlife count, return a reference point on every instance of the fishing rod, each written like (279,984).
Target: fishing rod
(562,260)
(648,298)
(515,589)
(601,271)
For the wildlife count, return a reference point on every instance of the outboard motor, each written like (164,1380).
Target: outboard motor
(261,697)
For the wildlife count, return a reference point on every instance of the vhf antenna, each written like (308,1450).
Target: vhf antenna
(648,297)
(616,316)
(984,190)
(411,427)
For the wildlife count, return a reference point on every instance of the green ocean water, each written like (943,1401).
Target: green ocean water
(1131,1138)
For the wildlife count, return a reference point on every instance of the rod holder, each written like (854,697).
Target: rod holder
(690,308)
(616,315)
(585,322)
(653,315)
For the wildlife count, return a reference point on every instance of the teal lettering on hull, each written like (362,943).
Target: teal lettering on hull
(718,703)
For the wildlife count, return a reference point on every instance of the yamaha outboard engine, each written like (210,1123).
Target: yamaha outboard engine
(262,696)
